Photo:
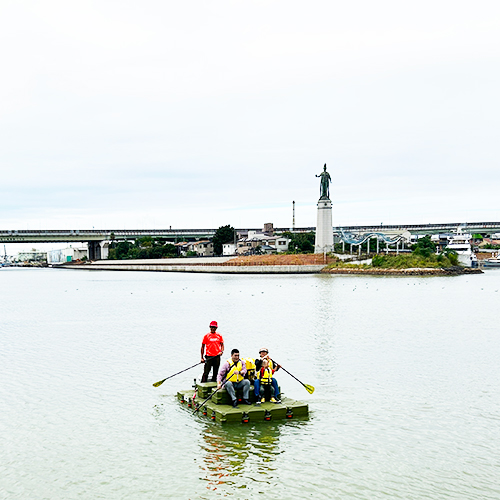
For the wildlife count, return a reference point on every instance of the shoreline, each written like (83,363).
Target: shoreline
(226,266)
(426,271)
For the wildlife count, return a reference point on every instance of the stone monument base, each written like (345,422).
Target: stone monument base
(324,227)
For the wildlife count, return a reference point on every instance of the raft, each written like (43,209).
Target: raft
(220,409)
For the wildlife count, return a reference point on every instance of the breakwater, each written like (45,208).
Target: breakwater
(200,268)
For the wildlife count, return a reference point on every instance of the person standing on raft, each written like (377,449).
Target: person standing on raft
(214,349)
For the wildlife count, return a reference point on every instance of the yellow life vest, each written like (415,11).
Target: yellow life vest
(250,364)
(266,377)
(235,367)
(270,365)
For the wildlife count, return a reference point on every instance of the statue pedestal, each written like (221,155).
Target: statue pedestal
(324,227)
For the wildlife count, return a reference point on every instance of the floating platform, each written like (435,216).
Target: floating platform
(220,409)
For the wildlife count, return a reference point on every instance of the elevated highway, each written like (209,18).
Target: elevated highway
(86,235)
(96,237)
(485,228)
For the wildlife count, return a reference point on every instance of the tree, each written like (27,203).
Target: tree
(300,242)
(424,247)
(225,234)
(122,249)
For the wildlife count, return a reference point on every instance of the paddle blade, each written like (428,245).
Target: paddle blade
(157,384)
(309,388)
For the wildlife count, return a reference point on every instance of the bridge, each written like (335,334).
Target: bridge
(350,234)
(96,237)
(484,228)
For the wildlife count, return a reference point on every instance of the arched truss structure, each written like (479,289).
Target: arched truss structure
(352,239)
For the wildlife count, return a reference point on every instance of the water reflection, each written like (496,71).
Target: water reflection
(232,452)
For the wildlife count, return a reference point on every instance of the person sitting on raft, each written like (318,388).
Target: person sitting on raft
(234,371)
(250,366)
(264,381)
(264,354)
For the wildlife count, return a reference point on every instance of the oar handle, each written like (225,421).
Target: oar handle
(285,370)
(216,390)
(156,384)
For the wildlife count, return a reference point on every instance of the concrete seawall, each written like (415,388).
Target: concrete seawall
(292,269)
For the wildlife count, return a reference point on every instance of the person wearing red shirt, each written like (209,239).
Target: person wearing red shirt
(212,348)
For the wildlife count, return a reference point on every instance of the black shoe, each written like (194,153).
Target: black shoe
(235,403)
(246,402)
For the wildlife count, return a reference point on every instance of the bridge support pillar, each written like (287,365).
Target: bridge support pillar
(94,249)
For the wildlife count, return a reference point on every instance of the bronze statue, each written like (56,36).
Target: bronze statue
(324,187)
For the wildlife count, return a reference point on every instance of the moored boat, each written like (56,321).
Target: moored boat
(219,409)
(493,261)
(461,244)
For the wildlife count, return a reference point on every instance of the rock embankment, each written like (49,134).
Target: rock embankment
(429,271)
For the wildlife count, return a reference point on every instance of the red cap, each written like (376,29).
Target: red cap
(214,323)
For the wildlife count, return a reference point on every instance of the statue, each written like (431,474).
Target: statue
(324,188)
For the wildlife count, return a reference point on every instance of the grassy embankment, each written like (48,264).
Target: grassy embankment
(402,261)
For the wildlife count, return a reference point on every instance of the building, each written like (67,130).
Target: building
(229,249)
(203,248)
(260,242)
(182,248)
(32,256)
(66,255)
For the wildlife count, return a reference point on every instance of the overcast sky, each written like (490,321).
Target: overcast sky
(126,114)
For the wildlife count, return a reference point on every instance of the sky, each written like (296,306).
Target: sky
(125,114)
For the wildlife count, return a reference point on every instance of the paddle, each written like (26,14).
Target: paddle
(157,384)
(309,388)
(216,390)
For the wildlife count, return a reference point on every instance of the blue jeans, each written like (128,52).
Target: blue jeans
(274,383)
(242,384)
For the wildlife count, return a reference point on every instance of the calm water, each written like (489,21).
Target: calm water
(406,370)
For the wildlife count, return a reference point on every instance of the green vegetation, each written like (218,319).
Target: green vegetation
(423,256)
(300,242)
(403,261)
(424,247)
(142,248)
(415,260)
(490,246)
(225,234)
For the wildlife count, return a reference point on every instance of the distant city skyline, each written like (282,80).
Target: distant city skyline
(121,115)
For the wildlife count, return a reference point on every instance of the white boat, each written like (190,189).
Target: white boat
(461,243)
(493,261)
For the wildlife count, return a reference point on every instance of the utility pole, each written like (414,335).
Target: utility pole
(293,219)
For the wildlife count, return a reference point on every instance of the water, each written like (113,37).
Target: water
(407,400)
